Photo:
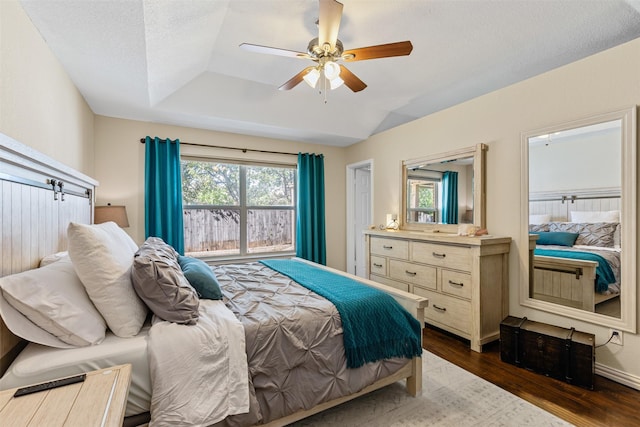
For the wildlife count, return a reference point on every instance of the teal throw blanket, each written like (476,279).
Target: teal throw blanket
(374,325)
(604,273)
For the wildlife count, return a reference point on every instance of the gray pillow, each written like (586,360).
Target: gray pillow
(589,233)
(538,227)
(160,283)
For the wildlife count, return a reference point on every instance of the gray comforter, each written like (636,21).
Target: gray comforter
(294,344)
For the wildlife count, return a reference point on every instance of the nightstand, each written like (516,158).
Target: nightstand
(99,400)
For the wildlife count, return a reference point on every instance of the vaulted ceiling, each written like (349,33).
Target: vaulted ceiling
(179,62)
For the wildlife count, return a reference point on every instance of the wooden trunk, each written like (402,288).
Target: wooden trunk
(560,353)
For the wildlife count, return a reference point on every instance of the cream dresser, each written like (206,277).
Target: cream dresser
(465,278)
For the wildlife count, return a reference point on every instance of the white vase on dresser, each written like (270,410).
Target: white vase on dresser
(466,279)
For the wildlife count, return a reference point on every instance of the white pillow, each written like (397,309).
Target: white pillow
(54,299)
(102,255)
(50,259)
(595,216)
(539,219)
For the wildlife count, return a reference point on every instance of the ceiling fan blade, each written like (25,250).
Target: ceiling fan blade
(274,51)
(379,51)
(351,80)
(293,81)
(329,22)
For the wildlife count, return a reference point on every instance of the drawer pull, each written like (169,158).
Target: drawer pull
(451,282)
(410,273)
(377,265)
(441,309)
(437,255)
(387,247)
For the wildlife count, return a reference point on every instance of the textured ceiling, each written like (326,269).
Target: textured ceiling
(178,61)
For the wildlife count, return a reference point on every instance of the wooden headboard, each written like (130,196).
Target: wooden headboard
(39,196)
(560,204)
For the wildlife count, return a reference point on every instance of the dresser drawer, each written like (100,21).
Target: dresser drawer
(456,257)
(446,311)
(378,265)
(413,273)
(389,282)
(390,247)
(456,283)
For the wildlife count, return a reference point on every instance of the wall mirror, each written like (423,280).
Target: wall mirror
(440,192)
(579,196)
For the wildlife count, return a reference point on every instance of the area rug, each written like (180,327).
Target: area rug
(450,396)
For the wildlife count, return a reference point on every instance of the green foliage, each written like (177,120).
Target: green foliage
(213,183)
(208,183)
(426,196)
(270,186)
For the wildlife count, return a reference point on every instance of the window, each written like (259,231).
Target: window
(233,209)
(422,200)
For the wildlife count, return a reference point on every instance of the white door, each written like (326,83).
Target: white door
(359,215)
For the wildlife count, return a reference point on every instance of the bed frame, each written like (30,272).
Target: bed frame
(39,197)
(569,282)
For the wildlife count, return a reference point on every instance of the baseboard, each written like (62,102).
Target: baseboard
(618,376)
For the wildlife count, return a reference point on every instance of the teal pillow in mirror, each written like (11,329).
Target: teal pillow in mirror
(201,277)
(560,238)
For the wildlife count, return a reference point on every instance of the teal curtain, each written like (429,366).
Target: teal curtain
(163,192)
(450,197)
(310,227)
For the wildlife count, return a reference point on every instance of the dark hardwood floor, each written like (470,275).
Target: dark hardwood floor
(609,404)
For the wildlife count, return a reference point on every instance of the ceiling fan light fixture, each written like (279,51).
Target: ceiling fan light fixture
(312,77)
(336,83)
(331,70)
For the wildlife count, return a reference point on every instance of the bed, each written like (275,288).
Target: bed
(256,302)
(577,263)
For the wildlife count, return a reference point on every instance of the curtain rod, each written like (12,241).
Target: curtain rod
(244,150)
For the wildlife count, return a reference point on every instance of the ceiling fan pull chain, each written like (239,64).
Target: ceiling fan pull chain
(325,86)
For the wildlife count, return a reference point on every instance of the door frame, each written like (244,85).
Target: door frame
(350,216)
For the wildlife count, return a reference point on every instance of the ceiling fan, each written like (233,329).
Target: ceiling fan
(327,50)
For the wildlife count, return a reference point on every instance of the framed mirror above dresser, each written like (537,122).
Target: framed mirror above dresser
(579,215)
(441,191)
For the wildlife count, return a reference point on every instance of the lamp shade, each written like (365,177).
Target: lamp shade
(331,70)
(312,77)
(117,214)
(336,83)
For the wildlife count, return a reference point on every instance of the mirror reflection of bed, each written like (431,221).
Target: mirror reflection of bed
(574,210)
(576,261)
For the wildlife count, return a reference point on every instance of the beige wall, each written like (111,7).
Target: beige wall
(120,170)
(39,105)
(604,82)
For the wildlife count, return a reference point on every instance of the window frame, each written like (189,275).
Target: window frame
(434,183)
(243,208)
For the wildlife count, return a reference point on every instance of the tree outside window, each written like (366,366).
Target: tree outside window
(233,209)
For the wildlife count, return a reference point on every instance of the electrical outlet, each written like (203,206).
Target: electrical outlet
(616,336)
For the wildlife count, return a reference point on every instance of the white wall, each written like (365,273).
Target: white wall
(39,105)
(604,82)
(580,162)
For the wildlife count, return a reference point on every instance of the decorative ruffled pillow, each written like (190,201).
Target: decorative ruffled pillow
(159,281)
(589,234)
